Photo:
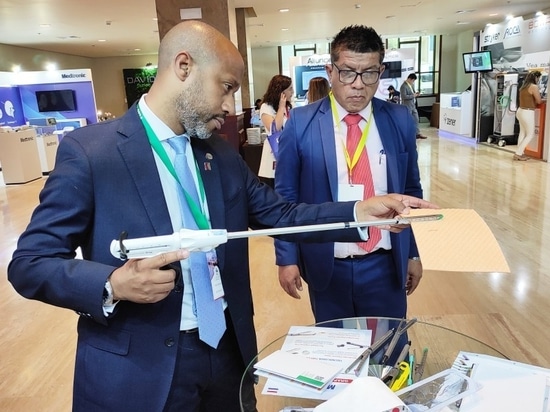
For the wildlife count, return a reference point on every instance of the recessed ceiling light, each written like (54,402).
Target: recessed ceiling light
(101,40)
(493,14)
(284,29)
(137,49)
(284,10)
(462,22)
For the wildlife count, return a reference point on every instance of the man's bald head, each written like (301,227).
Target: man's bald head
(199,72)
(200,40)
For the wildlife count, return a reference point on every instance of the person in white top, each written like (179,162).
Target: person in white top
(274,112)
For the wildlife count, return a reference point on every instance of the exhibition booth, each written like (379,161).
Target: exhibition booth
(504,54)
(36,110)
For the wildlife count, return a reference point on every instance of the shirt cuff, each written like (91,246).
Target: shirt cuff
(109,309)
(363,231)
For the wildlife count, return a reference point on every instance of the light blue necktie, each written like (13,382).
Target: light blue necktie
(209,311)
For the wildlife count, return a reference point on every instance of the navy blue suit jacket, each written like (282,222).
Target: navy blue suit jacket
(106,181)
(307,172)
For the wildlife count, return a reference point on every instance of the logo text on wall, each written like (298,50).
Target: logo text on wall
(73,75)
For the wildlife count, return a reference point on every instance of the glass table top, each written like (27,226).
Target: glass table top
(438,345)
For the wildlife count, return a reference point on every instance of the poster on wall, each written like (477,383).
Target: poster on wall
(138,82)
(11,111)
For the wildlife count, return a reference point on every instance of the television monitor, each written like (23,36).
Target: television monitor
(303,74)
(479,61)
(392,71)
(307,76)
(56,100)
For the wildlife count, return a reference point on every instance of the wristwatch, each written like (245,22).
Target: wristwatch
(417,258)
(108,298)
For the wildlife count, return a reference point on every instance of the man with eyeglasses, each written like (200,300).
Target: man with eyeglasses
(346,146)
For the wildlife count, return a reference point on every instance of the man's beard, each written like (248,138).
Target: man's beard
(188,107)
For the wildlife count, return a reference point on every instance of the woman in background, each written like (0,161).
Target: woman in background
(317,89)
(529,98)
(274,112)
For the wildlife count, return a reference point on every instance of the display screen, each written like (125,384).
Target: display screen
(392,71)
(307,76)
(477,61)
(56,100)
(303,74)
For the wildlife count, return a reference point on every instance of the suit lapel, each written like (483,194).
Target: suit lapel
(136,152)
(209,169)
(326,127)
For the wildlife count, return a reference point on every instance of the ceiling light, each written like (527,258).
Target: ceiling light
(462,22)
(284,10)
(16,68)
(493,14)
(137,49)
(101,40)
(284,29)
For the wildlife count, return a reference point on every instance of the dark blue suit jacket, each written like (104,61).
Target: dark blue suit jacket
(307,172)
(105,181)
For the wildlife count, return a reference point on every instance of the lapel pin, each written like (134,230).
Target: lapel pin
(209,156)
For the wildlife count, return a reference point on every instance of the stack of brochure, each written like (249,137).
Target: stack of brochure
(297,368)
(311,360)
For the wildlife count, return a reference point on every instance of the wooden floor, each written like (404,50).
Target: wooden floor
(507,311)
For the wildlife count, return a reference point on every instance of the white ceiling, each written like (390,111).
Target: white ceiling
(129,26)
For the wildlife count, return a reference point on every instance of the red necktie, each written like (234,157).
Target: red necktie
(361,173)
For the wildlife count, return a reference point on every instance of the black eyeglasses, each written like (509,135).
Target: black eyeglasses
(349,76)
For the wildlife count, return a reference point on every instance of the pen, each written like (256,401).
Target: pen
(411,364)
(371,349)
(382,153)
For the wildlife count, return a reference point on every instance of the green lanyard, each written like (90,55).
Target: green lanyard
(351,162)
(198,215)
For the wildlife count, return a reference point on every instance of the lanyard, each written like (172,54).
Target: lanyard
(198,215)
(351,162)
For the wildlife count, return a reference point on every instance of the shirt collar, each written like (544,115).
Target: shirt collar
(365,113)
(161,130)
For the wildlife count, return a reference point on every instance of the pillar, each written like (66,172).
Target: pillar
(220,14)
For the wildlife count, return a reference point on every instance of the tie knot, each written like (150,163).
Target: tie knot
(352,119)
(178,143)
